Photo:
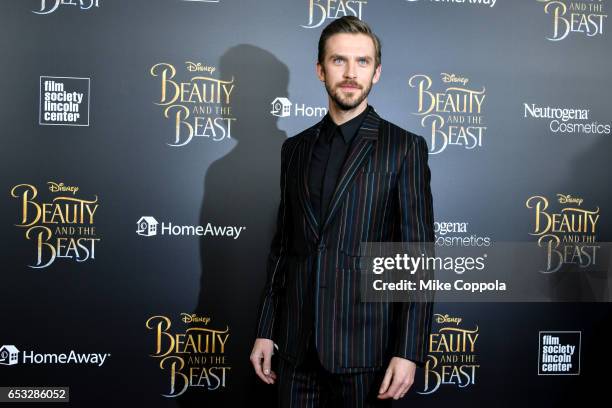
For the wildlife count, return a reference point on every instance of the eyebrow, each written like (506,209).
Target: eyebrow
(334,56)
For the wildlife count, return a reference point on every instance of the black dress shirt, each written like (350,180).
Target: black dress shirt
(329,153)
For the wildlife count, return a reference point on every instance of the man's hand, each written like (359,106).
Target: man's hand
(261,358)
(398,378)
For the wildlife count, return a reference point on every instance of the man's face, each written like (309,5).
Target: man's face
(348,69)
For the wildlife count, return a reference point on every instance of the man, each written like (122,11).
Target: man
(353,177)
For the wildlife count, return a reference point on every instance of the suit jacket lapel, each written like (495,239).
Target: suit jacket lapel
(360,150)
(304,155)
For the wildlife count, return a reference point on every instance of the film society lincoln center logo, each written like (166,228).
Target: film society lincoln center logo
(60,224)
(64,101)
(559,353)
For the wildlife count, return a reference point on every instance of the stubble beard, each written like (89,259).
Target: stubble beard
(343,101)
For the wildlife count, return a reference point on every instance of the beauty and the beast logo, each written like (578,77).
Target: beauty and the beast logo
(194,356)
(62,227)
(321,10)
(199,107)
(452,358)
(568,234)
(584,17)
(49,6)
(452,113)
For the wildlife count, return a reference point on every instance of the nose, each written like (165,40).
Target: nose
(350,71)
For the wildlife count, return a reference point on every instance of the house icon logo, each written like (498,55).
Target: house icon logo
(8,355)
(281,107)
(147,226)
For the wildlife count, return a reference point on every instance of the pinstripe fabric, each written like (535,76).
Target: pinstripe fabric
(309,385)
(382,195)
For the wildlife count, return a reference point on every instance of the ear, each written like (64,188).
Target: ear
(320,72)
(377,72)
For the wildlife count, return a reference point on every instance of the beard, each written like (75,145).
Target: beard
(348,101)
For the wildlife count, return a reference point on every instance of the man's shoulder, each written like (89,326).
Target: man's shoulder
(397,135)
(389,132)
(292,140)
(306,132)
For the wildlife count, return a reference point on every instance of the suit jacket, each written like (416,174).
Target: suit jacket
(382,195)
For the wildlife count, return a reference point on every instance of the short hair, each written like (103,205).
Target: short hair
(349,25)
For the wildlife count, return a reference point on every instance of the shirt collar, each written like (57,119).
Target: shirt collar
(348,129)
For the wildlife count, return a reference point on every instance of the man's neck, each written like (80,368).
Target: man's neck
(340,116)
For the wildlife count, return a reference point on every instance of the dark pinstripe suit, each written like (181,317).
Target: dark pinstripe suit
(383,195)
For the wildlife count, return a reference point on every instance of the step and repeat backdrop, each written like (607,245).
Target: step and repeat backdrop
(140,184)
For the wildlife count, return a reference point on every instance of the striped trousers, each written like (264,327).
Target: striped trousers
(308,384)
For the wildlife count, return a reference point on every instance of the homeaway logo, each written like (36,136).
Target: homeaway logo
(148,226)
(282,107)
(9,355)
